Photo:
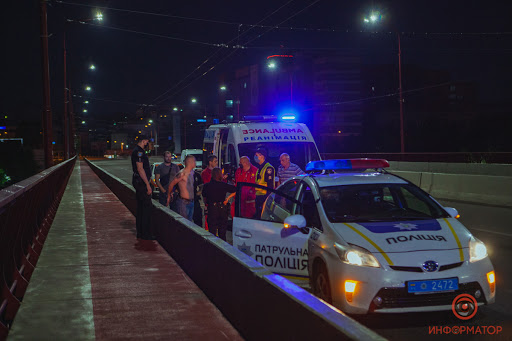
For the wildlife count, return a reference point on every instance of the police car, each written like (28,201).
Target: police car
(367,241)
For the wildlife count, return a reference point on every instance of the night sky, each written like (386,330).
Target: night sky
(134,68)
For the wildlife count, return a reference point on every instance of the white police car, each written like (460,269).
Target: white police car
(367,240)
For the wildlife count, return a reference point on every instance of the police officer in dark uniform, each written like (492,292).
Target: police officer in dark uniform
(140,181)
(214,193)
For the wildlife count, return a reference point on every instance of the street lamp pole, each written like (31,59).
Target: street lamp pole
(373,18)
(65,123)
(402,138)
(47,110)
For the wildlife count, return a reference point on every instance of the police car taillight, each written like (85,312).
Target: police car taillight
(346,164)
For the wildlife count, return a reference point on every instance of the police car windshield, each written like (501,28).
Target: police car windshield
(300,152)
(378,202)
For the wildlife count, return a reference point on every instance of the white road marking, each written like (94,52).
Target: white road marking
(500,233)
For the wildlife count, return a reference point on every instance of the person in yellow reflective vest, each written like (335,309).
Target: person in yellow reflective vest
(264,177)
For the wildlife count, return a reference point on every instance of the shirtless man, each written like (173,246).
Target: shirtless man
(185,181)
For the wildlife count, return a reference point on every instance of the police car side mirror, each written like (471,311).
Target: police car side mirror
(296,221)
(452,212)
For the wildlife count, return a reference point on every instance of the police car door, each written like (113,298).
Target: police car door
(264,237)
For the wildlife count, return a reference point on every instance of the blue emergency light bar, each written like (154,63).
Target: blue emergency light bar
(201,120)
(346,164)
(288,117)
(3,127)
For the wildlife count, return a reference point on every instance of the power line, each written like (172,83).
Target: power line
(111,100)
(153,34)
(149,13)
(387,95)
(215,53)
(248,42)
(292,28)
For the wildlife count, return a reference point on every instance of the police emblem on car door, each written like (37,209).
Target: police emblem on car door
(263,235)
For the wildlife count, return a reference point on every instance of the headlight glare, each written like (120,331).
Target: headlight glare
(355,255)
(477,250)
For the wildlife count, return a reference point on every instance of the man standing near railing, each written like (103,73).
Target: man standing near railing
(140,181)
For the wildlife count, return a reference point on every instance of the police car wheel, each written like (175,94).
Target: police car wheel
(321,286)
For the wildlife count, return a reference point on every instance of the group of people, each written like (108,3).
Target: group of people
(181,189)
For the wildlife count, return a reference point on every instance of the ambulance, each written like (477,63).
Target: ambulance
(231,141)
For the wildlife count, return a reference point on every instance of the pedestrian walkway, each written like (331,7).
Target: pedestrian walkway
(94,281)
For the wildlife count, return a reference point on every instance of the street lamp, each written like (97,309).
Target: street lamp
(271,65)
(193,100)
(374,17)
(175,109)
(223,88)
(86,102)
(85,110)
(88,88)
(92,67)
(99,16)
(83,122)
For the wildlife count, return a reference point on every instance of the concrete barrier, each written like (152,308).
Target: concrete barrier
(259,304)
(453,168)
(479,189)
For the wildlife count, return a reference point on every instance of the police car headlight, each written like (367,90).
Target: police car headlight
(477,250)
(355,255)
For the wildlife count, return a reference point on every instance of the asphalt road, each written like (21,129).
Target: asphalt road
(492,225)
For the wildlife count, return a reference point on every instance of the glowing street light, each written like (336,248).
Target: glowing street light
(88,88)
(99,16)
(223,88)
(373,17)
(85,110)
(86,102)
(150,121)
(272,65)
(83,122)
(193,100)
(92,67)
(175,109)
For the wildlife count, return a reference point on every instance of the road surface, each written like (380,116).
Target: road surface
(492,225)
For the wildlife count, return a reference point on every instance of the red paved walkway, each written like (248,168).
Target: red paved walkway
(138,291)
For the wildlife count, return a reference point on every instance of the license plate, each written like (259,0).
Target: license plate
(433,285)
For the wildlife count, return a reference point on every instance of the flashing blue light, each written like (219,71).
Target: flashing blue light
(215,121)
(288,117)
(346,164)
(53,142)
(3,127)
(328,165)
(201,120)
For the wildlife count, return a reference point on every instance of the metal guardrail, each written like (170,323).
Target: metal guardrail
(454,157)
(27,209)
(258,303)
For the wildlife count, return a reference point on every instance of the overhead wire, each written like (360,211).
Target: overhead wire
(233,52)
(384,96)
(218,50)
(259,25)
(153,34)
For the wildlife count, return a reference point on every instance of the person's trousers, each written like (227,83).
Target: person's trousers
(217,220)
(143,213)
(260,200)
(162,198)
(185,208)
(198,213)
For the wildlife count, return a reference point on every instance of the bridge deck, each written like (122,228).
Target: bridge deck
(94,281)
